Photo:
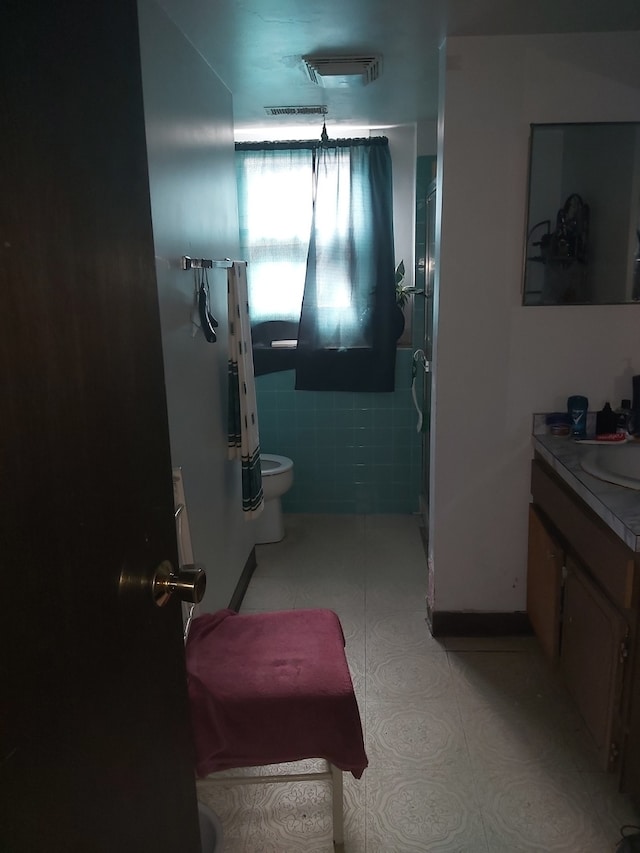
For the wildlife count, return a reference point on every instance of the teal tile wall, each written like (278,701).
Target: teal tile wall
(352,452)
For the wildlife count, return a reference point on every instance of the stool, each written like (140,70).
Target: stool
(270,688)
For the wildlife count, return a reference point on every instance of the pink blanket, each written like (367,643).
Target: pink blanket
(266,688)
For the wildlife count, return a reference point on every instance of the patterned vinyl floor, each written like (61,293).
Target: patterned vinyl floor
(473,745)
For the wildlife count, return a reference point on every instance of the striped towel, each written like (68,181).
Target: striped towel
(244,439)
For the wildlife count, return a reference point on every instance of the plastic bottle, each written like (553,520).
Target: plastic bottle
(577,407)
(606,422)
(624,415)
(634,420)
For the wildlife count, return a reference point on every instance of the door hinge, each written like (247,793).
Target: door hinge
(624,651)
(614,752)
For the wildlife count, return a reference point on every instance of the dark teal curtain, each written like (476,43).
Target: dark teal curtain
(345,338)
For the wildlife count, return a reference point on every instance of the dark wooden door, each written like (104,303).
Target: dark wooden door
(94,736)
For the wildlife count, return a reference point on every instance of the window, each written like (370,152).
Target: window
(276,204)
(316,229)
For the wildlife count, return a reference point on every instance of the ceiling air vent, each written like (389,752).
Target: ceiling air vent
(316,110)
(341,71)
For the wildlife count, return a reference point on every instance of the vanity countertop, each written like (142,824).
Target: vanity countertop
(617,506)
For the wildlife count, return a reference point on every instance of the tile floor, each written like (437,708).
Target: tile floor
(473,745)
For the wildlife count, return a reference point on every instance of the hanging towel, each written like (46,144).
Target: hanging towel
(244,439)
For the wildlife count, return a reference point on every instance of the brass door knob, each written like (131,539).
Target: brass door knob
(189,583)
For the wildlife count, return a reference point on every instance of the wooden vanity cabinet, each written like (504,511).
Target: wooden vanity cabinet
(582,602)
(544,583)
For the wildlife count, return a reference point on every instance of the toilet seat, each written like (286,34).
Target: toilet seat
(277,478)
(271,464)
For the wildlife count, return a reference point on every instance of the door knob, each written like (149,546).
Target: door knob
(189,583)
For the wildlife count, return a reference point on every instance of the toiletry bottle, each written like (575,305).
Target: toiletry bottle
(623,413)
(634,420)
(577,406)
(606,422)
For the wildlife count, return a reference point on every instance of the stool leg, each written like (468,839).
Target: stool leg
(338,809)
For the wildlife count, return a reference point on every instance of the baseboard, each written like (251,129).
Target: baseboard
(464,624)
(243,583)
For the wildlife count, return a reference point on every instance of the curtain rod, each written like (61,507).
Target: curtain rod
(311,143)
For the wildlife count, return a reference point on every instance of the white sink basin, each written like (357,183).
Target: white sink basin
(615,463)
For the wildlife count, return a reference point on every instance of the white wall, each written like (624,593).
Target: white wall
(496,362)
(188,116)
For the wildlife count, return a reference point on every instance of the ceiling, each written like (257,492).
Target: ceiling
(255,46)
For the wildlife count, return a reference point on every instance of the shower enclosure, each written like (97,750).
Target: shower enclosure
(424,363)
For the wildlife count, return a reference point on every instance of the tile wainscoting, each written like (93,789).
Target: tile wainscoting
(352,452)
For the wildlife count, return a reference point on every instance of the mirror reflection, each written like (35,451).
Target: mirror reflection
(583,217)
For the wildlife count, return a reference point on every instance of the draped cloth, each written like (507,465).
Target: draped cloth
(267,688)
(316,224)
(244,438)
(346,337)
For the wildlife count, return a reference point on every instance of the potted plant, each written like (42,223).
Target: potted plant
(403,292)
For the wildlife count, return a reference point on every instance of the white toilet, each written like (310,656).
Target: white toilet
(277,478)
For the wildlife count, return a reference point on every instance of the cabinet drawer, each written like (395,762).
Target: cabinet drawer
(610,561)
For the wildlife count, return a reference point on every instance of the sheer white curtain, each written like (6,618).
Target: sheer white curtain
(275,201)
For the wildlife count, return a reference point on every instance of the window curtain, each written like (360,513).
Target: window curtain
(275,205)
(346,340)
(316,226)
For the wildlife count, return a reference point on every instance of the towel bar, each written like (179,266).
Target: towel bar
(205,263)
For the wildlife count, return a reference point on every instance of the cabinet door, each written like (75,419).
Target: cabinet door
(544,584)
(593,636)
(631,756)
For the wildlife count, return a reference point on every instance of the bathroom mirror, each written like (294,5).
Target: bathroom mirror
(582,240)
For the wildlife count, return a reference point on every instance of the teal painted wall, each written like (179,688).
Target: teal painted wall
(352,452)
